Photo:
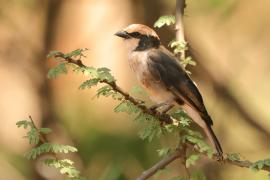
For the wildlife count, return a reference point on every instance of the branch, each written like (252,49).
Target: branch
(180,153)
(179,25)
(160,165)
(162,117)
(42,137)
(239,163)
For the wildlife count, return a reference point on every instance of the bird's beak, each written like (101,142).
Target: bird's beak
(122,34)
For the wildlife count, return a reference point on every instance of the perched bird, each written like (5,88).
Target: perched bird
(163,78)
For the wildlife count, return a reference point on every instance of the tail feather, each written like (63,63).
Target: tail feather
(205,122)
(210,133)
(213,138)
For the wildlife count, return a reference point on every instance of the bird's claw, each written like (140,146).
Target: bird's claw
(220,158)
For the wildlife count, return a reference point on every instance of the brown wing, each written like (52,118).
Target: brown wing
(165,68)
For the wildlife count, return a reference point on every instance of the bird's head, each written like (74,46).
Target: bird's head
(139,37)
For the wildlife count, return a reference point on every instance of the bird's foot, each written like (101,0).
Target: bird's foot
(220,158)
(165,107)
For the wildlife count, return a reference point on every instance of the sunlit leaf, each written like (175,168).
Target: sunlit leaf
(59,69)
(192,159)
(53,54)
(45,130)
(165,20)
(256,166)
(89,83)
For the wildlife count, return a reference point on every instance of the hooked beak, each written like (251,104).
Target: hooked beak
(122,34)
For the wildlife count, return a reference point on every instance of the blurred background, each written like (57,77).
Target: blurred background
(230,41)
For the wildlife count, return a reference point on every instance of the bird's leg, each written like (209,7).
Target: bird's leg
(167,108)
(167,105)
(156,106)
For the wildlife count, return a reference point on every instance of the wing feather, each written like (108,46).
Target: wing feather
(164,68)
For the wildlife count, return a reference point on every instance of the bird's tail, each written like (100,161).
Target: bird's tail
(213,138)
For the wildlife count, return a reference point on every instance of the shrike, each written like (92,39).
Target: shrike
(163,78)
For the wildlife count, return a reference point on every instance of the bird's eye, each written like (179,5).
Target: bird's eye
(135,34)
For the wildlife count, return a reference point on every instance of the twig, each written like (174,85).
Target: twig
(42,138)
(160,165)
(184,158)
(179,25)
(239,163)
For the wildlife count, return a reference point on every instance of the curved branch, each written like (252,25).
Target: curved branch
(160,165)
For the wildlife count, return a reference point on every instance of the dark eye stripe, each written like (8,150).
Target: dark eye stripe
(135,34)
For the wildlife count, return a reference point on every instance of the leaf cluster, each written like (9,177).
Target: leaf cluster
(36,136)
(179,47)
(258,165)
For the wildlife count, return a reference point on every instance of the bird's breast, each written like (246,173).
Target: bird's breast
(156,90)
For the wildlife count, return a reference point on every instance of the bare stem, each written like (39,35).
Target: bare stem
(179,25)
(160,165)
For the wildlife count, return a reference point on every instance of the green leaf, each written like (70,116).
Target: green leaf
(117,96)
(196,138)
(105,91)
(59,69)
(24,123)
(234,157)
(165,20)
(49,147)
(195,134)
(197,175)
(75,53)
(178,46)
(126,106)
(53,54)
(256,166)
(45,130)
(142,117)
(150,131)
(191,160)
(164,151)
(182,117)
(89,83)
(33,136)
(187,61)
(89,71)
(65,166)
(104,74)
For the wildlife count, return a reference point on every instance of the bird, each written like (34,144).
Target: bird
(161,75)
